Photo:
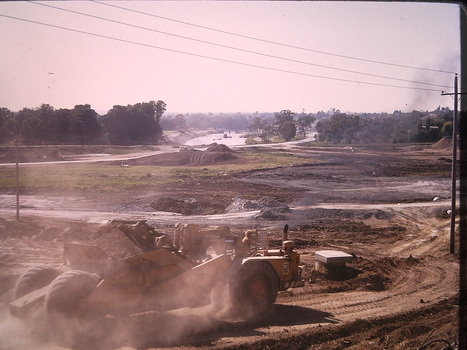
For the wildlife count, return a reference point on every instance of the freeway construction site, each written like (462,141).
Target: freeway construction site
(355,242)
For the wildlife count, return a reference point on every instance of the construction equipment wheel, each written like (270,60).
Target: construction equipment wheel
(253,290)
(69,323)
(33,279)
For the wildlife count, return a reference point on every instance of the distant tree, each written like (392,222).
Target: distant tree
(333,111)
(304,122)
(398,127)
(37,126)
(266,132)
(7,125)
(179,122)
(446,129)
(338,128)
(134,124)
(288,130)
(352,130)
(284,124)
(283,117)
(84,127)
(258,125)
(160,108)
(62,126)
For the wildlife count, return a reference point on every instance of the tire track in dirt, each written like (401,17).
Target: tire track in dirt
(428,283)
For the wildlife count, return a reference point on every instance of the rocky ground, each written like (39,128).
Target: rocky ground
(387,206)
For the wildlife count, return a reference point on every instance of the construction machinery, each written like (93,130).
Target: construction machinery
(168,274)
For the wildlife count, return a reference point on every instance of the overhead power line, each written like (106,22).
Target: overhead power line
(237,48)
(213,58)
(274,42)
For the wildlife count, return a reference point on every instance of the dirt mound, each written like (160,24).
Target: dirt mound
(444,143)
(215,147)
(189,206)
(187,157)
(116,245)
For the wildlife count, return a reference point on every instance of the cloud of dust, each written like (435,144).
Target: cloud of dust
(302,210)
(423,100)
(171,328)
(19,334)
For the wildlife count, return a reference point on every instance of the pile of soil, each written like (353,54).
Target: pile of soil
(116,245)
(444,143)
(190,205)
(215,147)
(215,154)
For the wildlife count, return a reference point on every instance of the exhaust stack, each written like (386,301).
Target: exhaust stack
(285,235)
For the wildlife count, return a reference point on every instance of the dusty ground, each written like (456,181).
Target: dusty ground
(385,205)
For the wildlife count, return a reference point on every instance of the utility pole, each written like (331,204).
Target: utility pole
(17,176)
(462,327)
(454,168)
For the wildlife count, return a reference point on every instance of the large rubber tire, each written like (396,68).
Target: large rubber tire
(69,323)
(254,289)
(34,278)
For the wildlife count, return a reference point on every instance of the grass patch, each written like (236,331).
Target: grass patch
(112,178)
(74,150)
(85,176)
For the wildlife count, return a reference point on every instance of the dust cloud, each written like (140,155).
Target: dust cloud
(143,330)
(176,327)
(19,334)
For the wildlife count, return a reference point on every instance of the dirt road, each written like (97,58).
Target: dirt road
(385,206)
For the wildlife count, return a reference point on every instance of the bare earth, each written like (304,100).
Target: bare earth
(385,205)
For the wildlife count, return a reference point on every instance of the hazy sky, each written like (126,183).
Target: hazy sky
(284,55)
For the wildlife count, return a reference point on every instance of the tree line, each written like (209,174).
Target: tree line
(336,127)
(398,127)
(284,124)
(122,125)
(142,123)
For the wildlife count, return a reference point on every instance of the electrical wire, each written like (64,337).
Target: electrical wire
(238,49)
(274,42)
(215,58)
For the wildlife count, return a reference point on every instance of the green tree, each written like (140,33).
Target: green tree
(266,133)
(339,128)
(284,124)
(446,129)
(37,126)
(7,125)
(84,127)
(258,125)
(283,117)
(288,130)
(134,124)
(304,122)
(179,122)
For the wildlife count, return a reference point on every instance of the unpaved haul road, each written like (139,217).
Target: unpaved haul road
(426,274)
(410,291)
